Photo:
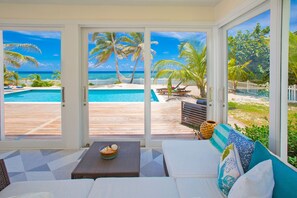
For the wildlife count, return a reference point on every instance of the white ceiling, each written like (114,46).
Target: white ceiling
(119,2)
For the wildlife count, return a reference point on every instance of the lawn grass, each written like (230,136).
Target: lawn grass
(257,113)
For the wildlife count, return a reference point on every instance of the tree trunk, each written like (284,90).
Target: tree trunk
(234,86)
(116,61)
(134,69)
(202,91)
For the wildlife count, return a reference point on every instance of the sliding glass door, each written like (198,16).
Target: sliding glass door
(31,84)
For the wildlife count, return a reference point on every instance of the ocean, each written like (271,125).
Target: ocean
(93,75)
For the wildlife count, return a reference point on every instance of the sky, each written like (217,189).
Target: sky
(167,48)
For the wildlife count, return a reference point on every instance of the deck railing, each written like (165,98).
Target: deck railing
(292,94)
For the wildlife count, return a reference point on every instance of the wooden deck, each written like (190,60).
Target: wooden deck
(105,119)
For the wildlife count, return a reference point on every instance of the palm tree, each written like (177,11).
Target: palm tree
(194,69)
(35,77)
(108,43)
(11,77)
(237,72)
(135,47)
(56,75)
(16,59)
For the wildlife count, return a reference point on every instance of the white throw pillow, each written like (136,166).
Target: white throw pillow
(35,195)
(230,169)
(257,182)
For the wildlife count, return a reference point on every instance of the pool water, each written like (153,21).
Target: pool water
(111,95)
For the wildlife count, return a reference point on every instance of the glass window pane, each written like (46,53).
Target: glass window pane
(292,87)
(248,77)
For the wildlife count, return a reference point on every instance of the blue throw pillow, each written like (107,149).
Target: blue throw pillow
(285,178)
(244,145)
(220,136)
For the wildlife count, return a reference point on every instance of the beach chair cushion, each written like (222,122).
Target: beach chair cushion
(258,182)
(230,169)
(191,158)
(285,177)
(220,136)
(144,187)
(198,187)
(244,145)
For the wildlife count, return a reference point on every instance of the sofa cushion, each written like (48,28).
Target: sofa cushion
(198,187)
(191,158)
(35,195)
(230,169)
(220,136)
(285,177)
(258,182)
(59,188)
(244,145)
(144,187)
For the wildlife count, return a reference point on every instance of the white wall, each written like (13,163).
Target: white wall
(106,12)
(225,7)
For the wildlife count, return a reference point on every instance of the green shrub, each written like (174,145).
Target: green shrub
(261,133)
(41,83)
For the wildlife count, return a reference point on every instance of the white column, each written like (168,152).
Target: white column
(147,87)
(2,132)
(71,80)
(275,76)
(284,80)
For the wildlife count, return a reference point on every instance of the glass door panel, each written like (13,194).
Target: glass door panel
(116,84)
(32,84)
(248,77)
(179,81)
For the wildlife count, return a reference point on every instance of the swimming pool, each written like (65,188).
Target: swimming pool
(95,95)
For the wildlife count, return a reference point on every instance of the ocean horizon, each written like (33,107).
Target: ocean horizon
(93,75)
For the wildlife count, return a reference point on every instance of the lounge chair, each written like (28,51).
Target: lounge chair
(7,87)
(160,90)
(176,92)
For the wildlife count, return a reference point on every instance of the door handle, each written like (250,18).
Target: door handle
(63,96)
(85,95)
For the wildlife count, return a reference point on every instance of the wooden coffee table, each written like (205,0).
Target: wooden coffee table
(126,164)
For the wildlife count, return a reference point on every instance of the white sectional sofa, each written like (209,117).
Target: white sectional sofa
(192,167)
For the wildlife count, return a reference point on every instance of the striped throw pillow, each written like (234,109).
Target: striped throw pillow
(220,136)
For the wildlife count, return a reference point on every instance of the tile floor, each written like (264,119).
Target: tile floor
(31,165)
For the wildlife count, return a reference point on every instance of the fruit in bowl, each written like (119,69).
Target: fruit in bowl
(109,152)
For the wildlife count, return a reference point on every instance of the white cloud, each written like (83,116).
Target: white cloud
(40,64)
(182,35)
(56,55)
(41,34)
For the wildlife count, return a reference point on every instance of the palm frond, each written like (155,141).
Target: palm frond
(22,46)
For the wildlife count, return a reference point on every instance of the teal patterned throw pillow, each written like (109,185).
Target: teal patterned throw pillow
(230,169)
